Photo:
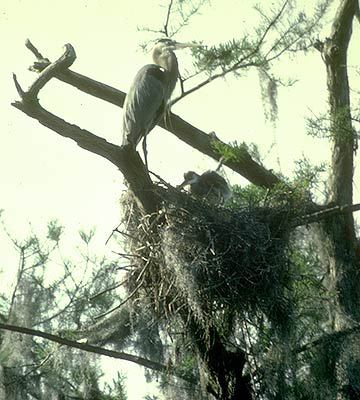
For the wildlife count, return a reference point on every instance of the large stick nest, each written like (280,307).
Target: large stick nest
(212,259)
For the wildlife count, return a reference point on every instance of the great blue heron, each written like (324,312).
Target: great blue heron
(148,95)
(209,185)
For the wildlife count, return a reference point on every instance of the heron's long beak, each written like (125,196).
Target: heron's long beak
(179,45)
(189,180)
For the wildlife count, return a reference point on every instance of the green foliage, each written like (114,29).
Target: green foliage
(55,230)
(223,56)
(3,307)
(241,270)
(282,28)
(235,151)
(296,193)
(306,174)
(319,126)
(309,177)
(337,128)
(58,296)
(86,237)
(116,391)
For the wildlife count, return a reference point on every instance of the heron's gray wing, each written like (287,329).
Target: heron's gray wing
(212,178)
(216,183)
(144,103)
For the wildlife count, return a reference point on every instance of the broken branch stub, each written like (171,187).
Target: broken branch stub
(62,63)
(48,71)
(126,159)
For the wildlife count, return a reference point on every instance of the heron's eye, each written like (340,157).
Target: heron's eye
(167,42)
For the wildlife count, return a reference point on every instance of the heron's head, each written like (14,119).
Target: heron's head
(166,46)
(190,177)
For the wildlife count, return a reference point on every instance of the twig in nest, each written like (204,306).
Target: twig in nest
(143,271)
(128,256)
(121,233)
(161,180)
(126,268)
(111,234)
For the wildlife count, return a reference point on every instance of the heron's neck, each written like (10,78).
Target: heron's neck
(168,61)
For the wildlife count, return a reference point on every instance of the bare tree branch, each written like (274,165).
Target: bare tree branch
(98,350)
(35,51)
(271,22)
(125,157)
(325,212)
(247,167)
(109,289)
(64,62)
(186,18)
(166,24)
(19,89)
(129,297)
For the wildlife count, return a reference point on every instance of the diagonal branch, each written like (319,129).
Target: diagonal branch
(238,65)
(325,212)
(47,73)
(64,62)
(35,51)
(98,350)
(125,157)
(247,167)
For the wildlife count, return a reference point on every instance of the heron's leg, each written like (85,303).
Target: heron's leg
(145,151)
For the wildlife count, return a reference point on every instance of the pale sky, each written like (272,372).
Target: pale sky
(44,176)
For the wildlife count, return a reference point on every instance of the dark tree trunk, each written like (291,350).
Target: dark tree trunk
(224,367)
(340,230)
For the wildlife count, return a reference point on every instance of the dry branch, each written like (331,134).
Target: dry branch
(64,62)
(125,158)
(96,350)
(186,132)
(325,212)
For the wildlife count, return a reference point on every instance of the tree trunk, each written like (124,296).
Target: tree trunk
(340,230)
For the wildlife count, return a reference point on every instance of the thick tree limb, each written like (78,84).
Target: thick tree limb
(186,132)
(64,62)
(97,350)
(125,157)
(325,212)
(334,52)
(344,260)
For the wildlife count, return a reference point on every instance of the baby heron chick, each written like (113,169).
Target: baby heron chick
(209,185)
